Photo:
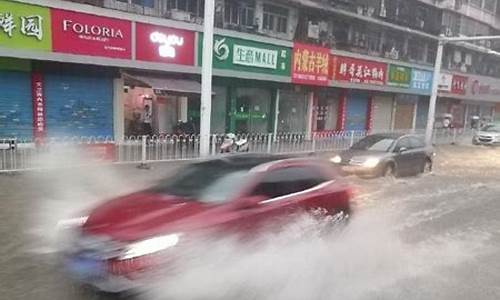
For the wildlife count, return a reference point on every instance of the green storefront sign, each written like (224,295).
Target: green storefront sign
(399,76)
(249,56)
(25,26)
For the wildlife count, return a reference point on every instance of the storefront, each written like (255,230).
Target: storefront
(79,105)
(405,108)
(251,110)
(382,112)
(249,104)
(160,105)
(356,110)
(326,109)
(422,112)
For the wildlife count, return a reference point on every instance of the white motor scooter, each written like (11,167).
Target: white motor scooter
(232,144)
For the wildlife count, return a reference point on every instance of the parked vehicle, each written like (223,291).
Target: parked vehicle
(487,135)
(386,155)
(125,238)
(185,128)
(233,144)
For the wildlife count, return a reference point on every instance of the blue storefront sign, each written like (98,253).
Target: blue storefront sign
(421,81)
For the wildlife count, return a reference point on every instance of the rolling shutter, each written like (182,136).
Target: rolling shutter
(357,108)
(16,116)
(382,112)
(79,105)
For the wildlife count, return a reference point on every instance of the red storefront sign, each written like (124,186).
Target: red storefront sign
(78,33)
(359,70)
(310,64)
(459,85)
(163,44)
(38,97)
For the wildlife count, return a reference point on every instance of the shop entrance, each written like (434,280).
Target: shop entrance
(252,110)
(159,106)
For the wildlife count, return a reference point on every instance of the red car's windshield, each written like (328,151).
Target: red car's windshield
(209,182)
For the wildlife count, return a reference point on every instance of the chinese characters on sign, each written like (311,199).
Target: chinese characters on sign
(421,80)
(310,64)
(399,76)
(359,71)
(459,85)
(255,57)
(247,56)
(38,98)
(31,26)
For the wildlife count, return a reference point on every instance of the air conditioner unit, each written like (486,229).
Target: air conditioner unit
(180,15)
(468,59)
(457,56)
(313,30)
(447,31)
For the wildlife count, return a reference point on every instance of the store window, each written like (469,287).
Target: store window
(275,18)
(239,13)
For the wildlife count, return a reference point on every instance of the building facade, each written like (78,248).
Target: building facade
(116,68)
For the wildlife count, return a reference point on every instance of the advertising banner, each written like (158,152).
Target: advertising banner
(444,83)
(78,33)
(38,96)
(248,56)
(164,44)
(399,76)
(421,81)
(310,64)
(24,26)
(359,70)
(459,84)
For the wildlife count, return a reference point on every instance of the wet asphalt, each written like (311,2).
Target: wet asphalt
(447,224)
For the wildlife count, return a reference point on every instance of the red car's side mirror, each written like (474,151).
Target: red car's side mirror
(250,202)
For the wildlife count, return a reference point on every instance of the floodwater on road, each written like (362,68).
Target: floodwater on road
(436,236)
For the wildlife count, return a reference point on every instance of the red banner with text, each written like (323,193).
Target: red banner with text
(359,70)
(310,64)
(38,101)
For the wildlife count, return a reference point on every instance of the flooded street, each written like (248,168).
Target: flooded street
(436,236)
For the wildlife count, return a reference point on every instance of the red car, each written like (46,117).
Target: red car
(121,238)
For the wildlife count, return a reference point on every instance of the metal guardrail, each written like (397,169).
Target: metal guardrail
(18,154)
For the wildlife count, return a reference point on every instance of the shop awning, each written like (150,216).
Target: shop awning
(164,84)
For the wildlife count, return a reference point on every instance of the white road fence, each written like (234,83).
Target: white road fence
(18,154)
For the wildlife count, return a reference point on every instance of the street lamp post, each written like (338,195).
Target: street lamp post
(206,78)
(436,76)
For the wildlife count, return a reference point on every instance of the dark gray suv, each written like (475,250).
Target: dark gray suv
(388,154)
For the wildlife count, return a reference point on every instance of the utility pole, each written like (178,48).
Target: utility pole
(206,78)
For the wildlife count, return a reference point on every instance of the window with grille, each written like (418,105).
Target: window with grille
(476,2)
(489,5)
(239,13)
(275,18)
(195,7)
